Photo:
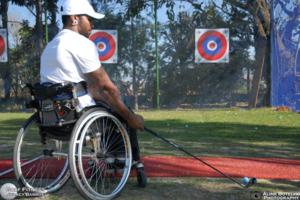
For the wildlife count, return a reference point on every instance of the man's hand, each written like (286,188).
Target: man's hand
(136,121)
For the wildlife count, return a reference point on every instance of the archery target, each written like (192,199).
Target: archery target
(106,43)
(211,45)
(3,45)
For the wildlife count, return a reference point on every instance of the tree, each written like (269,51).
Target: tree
(261,13)
(23,64)
(193,83)
(258,11)
(183,81)
(51,7)
(134,47)
(24,59)
(37,6)
(38,34)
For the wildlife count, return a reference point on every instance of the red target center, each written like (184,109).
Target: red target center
(212,45)
(101,46)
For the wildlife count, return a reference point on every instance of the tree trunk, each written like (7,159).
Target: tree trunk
(267,97)
(262,18)
(39,27)
(3,12)
(53,29)
(134,64)
(260,62)
(248,82)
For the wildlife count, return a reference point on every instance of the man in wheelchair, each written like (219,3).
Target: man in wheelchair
(70,67)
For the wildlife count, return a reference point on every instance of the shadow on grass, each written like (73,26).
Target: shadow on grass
(225,139)
(10,127)
(203,139)
(8,134)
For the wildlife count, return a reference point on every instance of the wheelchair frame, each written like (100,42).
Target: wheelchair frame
(97,156)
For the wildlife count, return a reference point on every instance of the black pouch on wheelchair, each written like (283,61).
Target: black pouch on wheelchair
(57,113)
(56,103)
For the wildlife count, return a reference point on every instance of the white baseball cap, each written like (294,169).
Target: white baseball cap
(79,7)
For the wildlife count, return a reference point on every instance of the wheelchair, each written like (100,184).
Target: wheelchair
(92,146)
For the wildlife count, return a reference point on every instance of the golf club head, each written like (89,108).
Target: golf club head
(251,182)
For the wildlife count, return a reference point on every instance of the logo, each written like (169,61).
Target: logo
(256,195)
(212,45)
(106,43)
(8,191)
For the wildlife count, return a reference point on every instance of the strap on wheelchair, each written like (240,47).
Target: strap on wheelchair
(58,91)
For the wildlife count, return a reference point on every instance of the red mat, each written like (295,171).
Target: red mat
(169,166)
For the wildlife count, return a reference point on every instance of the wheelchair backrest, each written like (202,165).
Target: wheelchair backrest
(56,103)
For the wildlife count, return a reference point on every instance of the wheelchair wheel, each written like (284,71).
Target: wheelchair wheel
(100,155)
(40,164)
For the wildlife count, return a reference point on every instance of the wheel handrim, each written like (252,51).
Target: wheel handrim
(32,166)
(100,159)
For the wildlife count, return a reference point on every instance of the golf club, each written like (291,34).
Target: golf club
(246,182)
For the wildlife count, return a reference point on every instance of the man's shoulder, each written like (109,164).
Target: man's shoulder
(71,38)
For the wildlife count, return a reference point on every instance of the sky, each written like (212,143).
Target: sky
(17,13)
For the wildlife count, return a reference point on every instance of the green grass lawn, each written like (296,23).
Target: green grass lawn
(221,132)
(232,132)
(225,132)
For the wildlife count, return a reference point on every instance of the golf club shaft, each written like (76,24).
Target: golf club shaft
(190,154)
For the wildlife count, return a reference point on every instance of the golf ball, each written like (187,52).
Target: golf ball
(246,180)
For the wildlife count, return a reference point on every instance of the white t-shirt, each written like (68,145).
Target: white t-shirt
(67,58)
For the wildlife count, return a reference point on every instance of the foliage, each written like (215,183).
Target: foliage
(205,83)
(24,59)
(182,81)
(198,84)
(135,51)
(258,13)
(24,64)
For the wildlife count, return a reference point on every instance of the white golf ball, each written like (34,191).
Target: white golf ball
(246,180)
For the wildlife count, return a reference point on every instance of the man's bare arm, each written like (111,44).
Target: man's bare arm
(100,83)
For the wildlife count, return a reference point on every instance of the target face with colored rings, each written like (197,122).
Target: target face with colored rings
(105,41)
(3,45)
(211,45)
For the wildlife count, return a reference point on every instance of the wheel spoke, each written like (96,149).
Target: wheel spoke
(38,171)
(104,176)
